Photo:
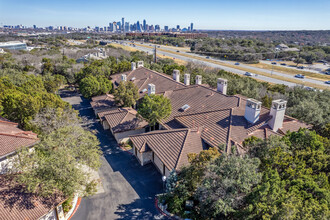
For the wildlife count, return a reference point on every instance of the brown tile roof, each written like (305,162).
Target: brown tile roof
(144,76)
(103,102)
(292,124)
(200,99)
(171,146)
(223,126)
(16,204)
(214,124)
(12,138)
(124,119)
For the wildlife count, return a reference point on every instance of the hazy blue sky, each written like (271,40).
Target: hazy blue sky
(205,14)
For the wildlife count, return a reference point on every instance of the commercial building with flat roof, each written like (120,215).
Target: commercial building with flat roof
(13,45)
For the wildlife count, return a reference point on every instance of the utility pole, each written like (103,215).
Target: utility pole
(155,54)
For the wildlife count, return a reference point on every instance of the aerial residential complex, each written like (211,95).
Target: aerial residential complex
(201,118)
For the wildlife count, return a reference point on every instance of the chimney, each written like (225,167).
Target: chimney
(140,64)
(198,80)
(176,75)
(151,89)
(123,77)
(133,66)
(187,79)
(222,86)
(277,111)
(252,110)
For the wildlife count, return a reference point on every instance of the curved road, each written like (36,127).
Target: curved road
(129,189)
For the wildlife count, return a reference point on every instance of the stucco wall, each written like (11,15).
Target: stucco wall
(105,125)
(147,157)
(50,216)
(158,164)
(167,172)
(123,136)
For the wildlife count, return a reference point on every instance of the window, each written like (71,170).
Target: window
(163,169)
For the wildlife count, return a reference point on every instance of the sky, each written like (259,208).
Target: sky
(205,14)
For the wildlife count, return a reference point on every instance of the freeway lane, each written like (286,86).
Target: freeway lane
(230,67)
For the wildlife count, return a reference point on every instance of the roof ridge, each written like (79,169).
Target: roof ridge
(15,135)
(183,145)
(165,76)
(198,113)
(229,129)
(8,122)
(160,132)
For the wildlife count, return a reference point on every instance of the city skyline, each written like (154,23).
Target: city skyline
(207,15)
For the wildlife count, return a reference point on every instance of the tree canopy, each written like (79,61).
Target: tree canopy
(126,94)
(154,108)
(93,86)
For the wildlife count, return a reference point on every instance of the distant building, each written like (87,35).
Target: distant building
(166,28)
(13,45)
(123,24)
(145,25)
(192,27)
(101,54)
(284,47)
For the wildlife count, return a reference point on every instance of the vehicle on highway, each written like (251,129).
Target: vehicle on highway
(237,63)
(274,63)
(327,82)
(300,67)
(158,46)
(248,74)
(207,57)
(299,76)
(283,64)
(178,51)
(328,73)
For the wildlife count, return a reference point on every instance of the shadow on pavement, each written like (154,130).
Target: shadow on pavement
(146,180)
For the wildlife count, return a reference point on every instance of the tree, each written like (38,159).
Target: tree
(155,108)
(227,180)
(92,86)
(52,119)
(126,94)
(59,161)
(295,184)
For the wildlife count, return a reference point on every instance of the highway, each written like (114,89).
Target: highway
(258,73)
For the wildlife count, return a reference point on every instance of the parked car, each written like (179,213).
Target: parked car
(327,82)
(237,63)
(248,74)
(299,76)
(274,63)
(283,64)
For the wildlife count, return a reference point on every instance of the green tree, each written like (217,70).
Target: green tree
(92,86)
(59,161)
(155,108)
(126,94)
(227,180)
(295,184)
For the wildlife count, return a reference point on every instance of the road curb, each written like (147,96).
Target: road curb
(76,208)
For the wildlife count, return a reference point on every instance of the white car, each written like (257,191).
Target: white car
(248,74)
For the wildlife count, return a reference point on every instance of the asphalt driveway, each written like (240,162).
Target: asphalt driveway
(130,189)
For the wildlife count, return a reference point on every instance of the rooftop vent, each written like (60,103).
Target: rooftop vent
(133,79)
(144,90)
(185,107)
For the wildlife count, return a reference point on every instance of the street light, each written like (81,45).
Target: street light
(164,180)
